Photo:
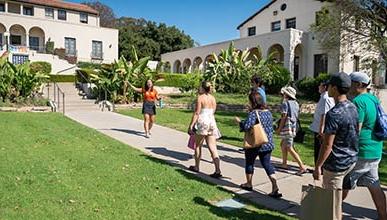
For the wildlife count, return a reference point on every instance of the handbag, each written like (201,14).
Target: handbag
(191,142)
(300,134)
(256,136)
(320,204)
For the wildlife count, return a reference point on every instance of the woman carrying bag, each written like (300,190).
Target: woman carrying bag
(259,114)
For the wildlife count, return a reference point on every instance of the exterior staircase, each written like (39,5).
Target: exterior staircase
(72,100)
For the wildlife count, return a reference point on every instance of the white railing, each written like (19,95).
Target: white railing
(18,49)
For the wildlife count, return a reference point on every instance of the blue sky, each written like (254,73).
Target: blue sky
(206,21)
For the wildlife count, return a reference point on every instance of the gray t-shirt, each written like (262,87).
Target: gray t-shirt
(323,106)
(294,109)
(342,121)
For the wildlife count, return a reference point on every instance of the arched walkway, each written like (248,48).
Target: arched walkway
(207,60)
(18,35)
(36,39)
(298,62)
(187,66)
(177,66)
(277,53)
(197,63)
(255,54)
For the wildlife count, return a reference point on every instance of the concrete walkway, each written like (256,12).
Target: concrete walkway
(170,145)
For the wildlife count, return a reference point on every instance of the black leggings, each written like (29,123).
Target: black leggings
(264,157)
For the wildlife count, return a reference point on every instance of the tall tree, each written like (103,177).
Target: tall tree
(149,38)
(106,13)
(354,22)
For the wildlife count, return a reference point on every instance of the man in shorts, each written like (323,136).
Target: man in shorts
(365,172)
(338,153)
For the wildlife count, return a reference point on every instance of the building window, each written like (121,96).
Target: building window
(276,26)
(251,31)
(96,52)
(14,8)
(1,41)
(49,12)
(320,64)
(2,7)
(34,43)
(356,63)
(28,10)
(62,15)
(83,18)
(275,13)
(291,23)
(15,40)
(70,46)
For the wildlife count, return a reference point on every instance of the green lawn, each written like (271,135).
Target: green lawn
(180,119)
(54,168)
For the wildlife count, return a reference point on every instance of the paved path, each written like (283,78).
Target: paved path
(170,145)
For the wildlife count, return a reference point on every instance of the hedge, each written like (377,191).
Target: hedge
(62,78)
(309,86)
(170,79)
(83,75)
(41,66)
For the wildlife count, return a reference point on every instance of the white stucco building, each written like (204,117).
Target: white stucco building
(27,25)
(281,26)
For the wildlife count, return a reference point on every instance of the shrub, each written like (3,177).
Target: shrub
(170,79)
(41,66)
(50,45)
(84,75)
(274,77)
(309,86)
(88,65)
(62,78)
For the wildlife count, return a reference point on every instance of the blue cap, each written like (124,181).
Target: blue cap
(360,77)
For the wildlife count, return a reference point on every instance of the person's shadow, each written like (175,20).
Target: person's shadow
(138,133)
(242,213)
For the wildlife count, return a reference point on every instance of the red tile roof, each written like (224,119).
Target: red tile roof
(62,4)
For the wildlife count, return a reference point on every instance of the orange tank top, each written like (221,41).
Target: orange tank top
(149,95)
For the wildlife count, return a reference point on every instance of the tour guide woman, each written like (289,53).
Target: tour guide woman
(150,96)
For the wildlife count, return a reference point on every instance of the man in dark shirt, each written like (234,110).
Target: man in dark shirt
(338,154)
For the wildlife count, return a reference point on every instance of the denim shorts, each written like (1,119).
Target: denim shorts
(288,141)
(365,173)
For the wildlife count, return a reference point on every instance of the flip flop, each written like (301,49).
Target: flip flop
(275,195)
(301,172)
(216,175)
(247,188)
(193,168)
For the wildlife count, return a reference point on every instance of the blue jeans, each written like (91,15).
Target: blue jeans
(265,158)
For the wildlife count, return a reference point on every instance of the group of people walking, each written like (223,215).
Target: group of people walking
(346,153)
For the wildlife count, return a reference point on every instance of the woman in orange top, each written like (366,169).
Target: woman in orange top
(150,95)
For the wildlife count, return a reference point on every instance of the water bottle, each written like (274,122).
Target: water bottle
(161,103)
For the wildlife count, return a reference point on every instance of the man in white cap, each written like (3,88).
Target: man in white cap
(365,173)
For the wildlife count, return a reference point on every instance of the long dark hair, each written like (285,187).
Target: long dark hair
(146,87)
(256,100)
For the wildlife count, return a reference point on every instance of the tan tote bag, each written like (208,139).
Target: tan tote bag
(256,136)
(318,203)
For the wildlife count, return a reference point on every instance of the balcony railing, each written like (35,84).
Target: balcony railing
(18,49)
(38,49)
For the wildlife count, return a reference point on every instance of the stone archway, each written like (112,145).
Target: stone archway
(37,39)
(277,53)
(197,63)
(177,66)
(187,66)
(18,35)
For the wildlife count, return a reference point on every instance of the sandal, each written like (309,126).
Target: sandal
(301,172)
(216,175)
(245,187)
(193,169)
(275,194)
